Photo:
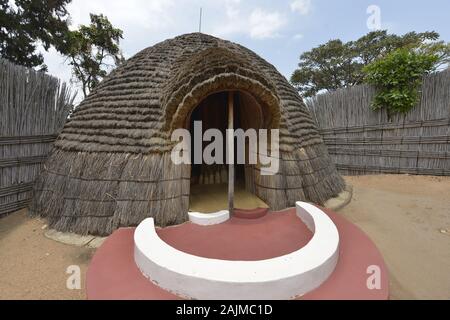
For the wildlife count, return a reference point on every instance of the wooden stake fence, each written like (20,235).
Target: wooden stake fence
(363,141)
(33,109)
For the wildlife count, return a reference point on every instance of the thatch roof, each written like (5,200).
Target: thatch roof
(111,164)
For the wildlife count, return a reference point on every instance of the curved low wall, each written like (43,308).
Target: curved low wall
(283,277)
(207,219)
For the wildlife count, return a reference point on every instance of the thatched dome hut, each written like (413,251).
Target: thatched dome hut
(111,164)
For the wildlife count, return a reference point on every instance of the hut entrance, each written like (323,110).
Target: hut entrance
(210,183)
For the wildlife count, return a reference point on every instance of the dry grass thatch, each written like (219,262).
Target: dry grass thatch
(111,165)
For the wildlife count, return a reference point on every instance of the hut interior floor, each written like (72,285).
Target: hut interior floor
(207,198)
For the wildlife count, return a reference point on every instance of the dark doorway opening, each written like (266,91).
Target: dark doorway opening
(212,111)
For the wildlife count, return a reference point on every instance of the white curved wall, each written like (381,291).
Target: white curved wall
(282,277)
(207,219)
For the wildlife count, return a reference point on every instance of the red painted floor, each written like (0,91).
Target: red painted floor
(113,274)
(240,239)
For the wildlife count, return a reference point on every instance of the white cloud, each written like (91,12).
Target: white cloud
(152,15)
(301,6)
(298,36)
(146,22)
(257,23)
(265,24)
(142,22)
(232,9)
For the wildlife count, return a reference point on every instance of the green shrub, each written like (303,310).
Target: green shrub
(398,77)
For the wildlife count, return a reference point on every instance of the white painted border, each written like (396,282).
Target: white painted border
(282,277)
(206,219)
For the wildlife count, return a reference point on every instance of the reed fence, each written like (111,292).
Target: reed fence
(363,141)
(33,109)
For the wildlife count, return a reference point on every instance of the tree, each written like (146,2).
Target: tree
(329,66)
(336,64)
(398,77)
(92,51)
(27,23)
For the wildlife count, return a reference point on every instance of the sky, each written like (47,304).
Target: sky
(277,30)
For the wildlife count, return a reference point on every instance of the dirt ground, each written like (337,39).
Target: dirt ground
(34,267)
(408,217)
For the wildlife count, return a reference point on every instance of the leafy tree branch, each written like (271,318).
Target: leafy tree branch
(336,64)
(92,51)
(398,78)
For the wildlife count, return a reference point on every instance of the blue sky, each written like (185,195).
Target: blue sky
(279,31)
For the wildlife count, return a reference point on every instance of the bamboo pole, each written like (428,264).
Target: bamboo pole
(230,148)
